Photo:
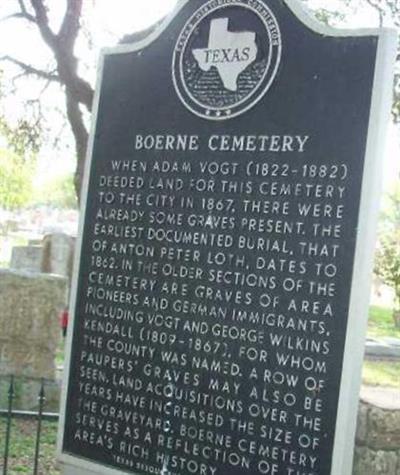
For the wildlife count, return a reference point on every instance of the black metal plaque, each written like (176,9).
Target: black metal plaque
(218,246)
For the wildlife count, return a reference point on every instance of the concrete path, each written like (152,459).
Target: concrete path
(382,348)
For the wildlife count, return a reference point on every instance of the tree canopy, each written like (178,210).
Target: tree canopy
(61,43)
(387,265)
(57,192)
(15,180)
(65,35)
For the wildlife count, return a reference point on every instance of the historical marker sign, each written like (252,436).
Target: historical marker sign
(225,246)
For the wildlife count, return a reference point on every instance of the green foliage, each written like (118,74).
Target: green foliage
(58,193)
(328,17)
(387,260)
(22,446)
(391,212)
(388,263)
(60,352)
(380,323)
(17,162)
(15,180)
(381,373)
(25,136)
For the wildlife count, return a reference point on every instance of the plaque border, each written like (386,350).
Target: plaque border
(371,190)
(342,455)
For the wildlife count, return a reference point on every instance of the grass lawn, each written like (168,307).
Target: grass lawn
(22,447)
(60,352)
(381,373)
(381,324)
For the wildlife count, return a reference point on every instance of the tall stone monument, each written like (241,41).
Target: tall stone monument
(221,287)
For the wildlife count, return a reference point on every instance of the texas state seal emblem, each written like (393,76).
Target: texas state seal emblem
(226,57)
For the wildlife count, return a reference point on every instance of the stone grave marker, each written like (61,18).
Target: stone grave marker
(29,326)
(58,251)
(221,286)
(26,258)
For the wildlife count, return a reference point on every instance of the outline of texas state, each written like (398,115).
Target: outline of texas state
(229,52)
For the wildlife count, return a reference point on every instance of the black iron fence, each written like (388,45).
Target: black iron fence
(39,415)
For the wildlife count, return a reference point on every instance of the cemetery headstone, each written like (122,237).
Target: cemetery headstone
(58,252)
(26,258)
(35,242)
(219,305)
(29,327)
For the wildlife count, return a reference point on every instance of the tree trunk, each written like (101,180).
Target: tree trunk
(396,318)
(81,136)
